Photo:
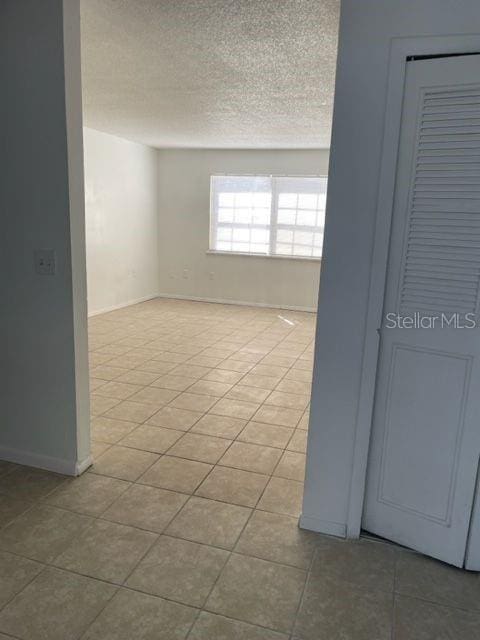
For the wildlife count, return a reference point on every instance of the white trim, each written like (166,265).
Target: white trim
(401,48)
(129,303)
(311,523)
(242,303)
(270,256)
(83,465)
(39,461)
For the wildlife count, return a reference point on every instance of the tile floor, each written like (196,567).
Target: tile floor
(186,525)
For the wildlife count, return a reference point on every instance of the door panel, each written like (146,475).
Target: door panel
(425,439)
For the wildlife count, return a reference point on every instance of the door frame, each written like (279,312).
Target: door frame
(400,50)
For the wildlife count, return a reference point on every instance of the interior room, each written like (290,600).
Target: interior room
(227,410)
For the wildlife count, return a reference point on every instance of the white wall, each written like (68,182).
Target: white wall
(184,193)
(121,208)
(367,31)
(44,414)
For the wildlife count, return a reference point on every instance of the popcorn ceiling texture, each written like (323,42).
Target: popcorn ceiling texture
(211,73)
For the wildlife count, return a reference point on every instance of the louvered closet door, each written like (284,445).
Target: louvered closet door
(425,441)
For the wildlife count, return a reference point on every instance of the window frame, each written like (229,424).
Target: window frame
(272,227)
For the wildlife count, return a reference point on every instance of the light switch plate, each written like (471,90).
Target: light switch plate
(45,262)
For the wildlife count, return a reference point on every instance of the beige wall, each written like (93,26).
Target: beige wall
(121,212)
(185,268)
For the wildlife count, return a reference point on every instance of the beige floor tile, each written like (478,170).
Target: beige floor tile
(118,390)
(294,386)
(210,388)
(248,394)
(172,418)
(42,532)
(193,402)
(186,348)
(170,356)
(258,592)
(15,573)
(278,538)
(339,612)
(233,486)
(146,507)
(291,466)
(132,411)
(303,424)
(10,508)
(427,579)
(251,457)
(191,371)
(6,467)
(177,383)
(179,570)
(108,430)
(215,352)
(363,565)
(304,365)
(89,494)
(205,361)
(288,400)
(195,446)
(176,474)
(278,415)
(155,396)
(124,463)
(272,370)
(106,550)
(235,365)
(298,442)
(138,616)
(97,448)
(209,522)
(156,366)
(235,408)
(266,434)
(279,361)
(282,496)
(220,426)
(418,620)
(96,383)
(129,360)
(100,404)
(210,626)
(140,378)
(107,372)
(55,606)
(220,375)
(300,375)
(154,439)
(262,382)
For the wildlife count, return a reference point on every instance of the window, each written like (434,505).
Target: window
(268,215)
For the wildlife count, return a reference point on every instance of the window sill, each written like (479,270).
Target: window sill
(262,255)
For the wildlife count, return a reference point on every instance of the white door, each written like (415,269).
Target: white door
(425,442)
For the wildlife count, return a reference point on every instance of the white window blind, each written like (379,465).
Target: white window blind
(268,215)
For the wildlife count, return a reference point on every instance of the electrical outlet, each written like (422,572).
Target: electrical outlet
(211,275)
(45,262)
(185,273)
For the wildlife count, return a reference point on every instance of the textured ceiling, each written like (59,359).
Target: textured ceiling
(210,73)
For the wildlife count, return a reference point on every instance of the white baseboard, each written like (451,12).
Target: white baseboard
(323,526)
(242,303)
(57,465)
(129,303)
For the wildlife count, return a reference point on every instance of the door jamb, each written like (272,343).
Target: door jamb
(400,50)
